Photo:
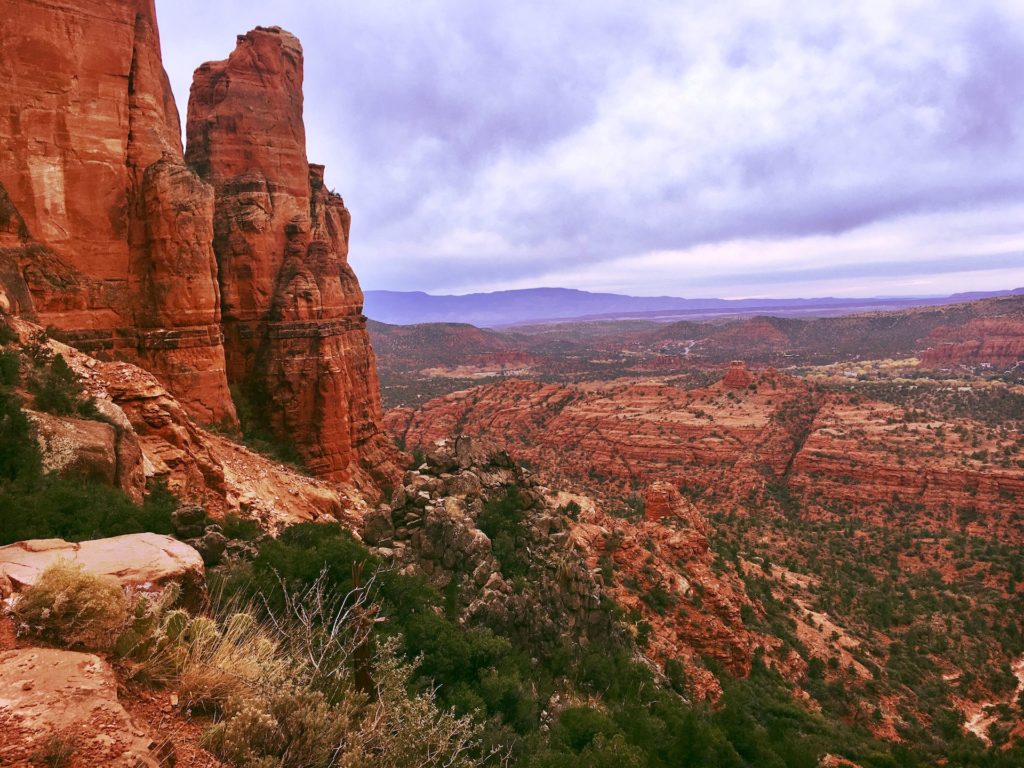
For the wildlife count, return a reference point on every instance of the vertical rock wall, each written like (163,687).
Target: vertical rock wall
(115,235)
(295,334)
(108,235)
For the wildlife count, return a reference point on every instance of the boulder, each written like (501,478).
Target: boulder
(46,692)
(91,449)
(189,521)
(211,546)
(78,447)
(146,561)
(378,527)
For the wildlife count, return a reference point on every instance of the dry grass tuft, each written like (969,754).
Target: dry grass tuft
(55,751)
(71,607)
(210,662)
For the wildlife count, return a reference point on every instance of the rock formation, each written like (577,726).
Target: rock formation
(145,561)
(47,693)
(91,449)
(102,220)
(431,528)
(989,342)
(109,236)
(295,335)
(737,377)
(145,435)
(828,448)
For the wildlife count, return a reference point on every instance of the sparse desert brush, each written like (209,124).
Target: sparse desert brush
(56,750)
(298,687)
(400,729)
(74,608)
(211,661)
(294,725)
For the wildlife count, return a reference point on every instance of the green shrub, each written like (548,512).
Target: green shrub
(503,520)
(10,374)
(58,389)
(74,608)
(7,334)
(55,507)
(237,527)
(19,453)
(286,726)
(579,726)
(56,750)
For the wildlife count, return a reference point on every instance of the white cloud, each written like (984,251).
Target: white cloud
(658,147)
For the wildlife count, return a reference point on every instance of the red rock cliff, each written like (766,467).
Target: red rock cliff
(99,217)
(295,334)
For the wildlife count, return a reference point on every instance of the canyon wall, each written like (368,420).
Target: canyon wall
(131,253)
(295,335)
(104,223)
(744,438)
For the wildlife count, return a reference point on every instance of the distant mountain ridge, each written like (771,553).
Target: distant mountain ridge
(535,305)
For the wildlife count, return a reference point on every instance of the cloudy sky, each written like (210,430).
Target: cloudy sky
(686,148)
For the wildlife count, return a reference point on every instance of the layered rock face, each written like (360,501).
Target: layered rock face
(101,219)
(294,331)
(991,342)
(107,235)
(625,436)
(147,436)
(834,451)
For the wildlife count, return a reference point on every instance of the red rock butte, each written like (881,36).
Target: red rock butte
(227,264)
(737,377)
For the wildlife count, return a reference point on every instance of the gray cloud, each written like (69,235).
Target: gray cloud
(489,144)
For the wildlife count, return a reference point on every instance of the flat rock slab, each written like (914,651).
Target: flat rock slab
(46,691)
(146,561)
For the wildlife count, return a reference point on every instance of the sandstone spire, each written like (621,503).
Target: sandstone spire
(295,334)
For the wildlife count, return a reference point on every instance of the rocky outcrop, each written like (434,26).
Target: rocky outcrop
(430,528)
(207,468)
(737,376)
(145,561)
(46,693)
(94,450)
(108,228)
(869,457)
(622,437)
(294,331)
(663,500)
(660,568)
(156,440)
(831,451)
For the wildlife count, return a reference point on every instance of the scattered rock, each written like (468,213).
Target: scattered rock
(211,546)
(189,521)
